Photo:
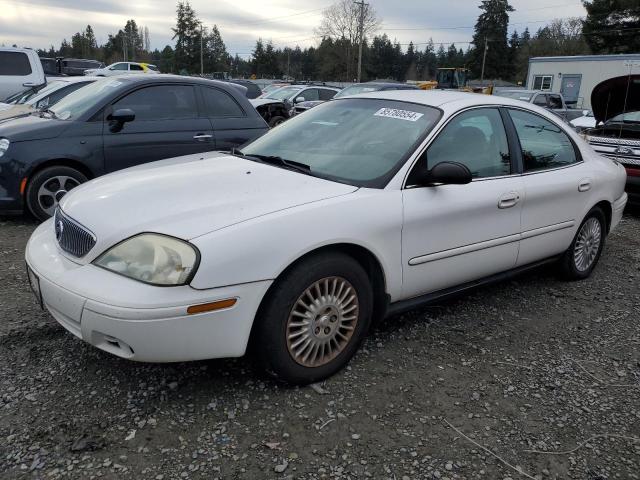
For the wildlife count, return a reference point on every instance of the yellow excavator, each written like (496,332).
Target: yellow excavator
(453,79)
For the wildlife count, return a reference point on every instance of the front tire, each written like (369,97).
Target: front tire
(275,121)
(47,187)
(314,319)
(583,254)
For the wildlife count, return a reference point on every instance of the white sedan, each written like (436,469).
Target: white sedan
(363,207)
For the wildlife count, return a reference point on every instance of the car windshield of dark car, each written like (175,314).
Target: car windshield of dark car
(283,93)
(358,141)
(75,104)
(628,117)
(524,96)
(356,89)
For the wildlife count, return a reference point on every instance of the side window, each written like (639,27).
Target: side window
(477,139)
(220,104)
(544,145)
(309,94)
(161,102)
(555,102)
(119,66)
(14,64)
(540,100)
(135,68)
(542,82)
(327,94)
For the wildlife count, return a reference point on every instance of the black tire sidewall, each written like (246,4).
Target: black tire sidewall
(275,121)
(569,269)
(39,178)
(270,339)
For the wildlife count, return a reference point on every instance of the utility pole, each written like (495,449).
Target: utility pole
(484,59)
(201,52)
(362,5)
(288,62)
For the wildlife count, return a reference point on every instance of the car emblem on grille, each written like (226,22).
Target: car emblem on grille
(59,229)
(624,151)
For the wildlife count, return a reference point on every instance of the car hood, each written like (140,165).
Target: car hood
(31,127)
(190,196)
(615,96)
(15,111)
(256,102)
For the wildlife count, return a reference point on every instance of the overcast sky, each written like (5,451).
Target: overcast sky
(41,23)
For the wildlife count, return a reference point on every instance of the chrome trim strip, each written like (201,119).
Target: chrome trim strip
(495,242)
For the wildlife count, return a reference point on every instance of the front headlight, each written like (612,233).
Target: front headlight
(152,258)
(4,145)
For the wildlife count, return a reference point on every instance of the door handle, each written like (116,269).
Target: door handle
(202,136)
(584,185)
(509,200)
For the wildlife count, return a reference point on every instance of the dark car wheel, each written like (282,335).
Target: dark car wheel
(47,187)
(275,121)
(584,252)
(314,320)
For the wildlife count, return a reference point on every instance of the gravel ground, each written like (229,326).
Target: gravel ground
(530,378)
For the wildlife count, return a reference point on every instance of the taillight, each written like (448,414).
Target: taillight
(632,172)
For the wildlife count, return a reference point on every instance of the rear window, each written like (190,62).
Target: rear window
(135,67)
(220,104)
(14,64)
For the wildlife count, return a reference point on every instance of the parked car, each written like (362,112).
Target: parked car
(272,88)
(51,67)
(253,90)
(20,68)
(78,66)
(585,122)
(616,109)
(279,105)
(121,68)
(44,98)
(554,102)
(363,207)
(355,90)
(113,124)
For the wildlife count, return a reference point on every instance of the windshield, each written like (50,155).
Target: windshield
(283,93)
(524,96)
(356,89)
(358,141)
(75,104)
(628,117)
(51,87)
(24,95)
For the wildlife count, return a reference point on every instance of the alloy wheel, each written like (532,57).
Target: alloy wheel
(587,244)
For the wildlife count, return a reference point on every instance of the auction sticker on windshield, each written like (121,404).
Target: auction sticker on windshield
(399,114)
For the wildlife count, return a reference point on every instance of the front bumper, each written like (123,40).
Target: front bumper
(137,321)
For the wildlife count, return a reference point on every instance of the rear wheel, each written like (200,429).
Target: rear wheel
(584,252)
(315,318)
(47,187)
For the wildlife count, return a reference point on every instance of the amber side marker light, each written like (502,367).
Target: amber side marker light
(210,307)
(23,185)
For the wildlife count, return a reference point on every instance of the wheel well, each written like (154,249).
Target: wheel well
(62,162)
(364,257)
(608,212)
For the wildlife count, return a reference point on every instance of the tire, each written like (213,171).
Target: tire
(47,187)
(327,325)
(275,121)
(583,254)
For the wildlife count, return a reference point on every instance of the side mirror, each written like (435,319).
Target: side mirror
(119,117)
(300,99)
(445,173)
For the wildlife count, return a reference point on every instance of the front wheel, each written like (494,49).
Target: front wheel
(314,319)
(47,187)
(584,252)
(275,121)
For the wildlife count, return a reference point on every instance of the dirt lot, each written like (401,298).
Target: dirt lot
(533,364)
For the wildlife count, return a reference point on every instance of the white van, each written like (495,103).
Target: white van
(20,68)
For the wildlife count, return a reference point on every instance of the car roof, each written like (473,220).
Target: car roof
(441,98)
(519,90)
(165,78)
(76,79)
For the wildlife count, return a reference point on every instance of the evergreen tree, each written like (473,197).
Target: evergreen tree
(612,26)
(186,33)
(491,28)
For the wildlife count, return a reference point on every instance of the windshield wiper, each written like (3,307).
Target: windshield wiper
(50,112)
(276,160)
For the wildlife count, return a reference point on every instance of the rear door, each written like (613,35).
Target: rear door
(230,123)
(167,124)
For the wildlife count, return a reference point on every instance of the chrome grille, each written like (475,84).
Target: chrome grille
(72,237)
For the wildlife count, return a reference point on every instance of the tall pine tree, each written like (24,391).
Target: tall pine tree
(613,26)
(491,30)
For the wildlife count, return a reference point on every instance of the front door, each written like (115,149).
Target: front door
(570,89)
(454,234)
(167,124)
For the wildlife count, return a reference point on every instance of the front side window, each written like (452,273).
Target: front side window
(544,145)
(14,64)
(356,141)
(542,82)
(220,104)
(161,102)
(475,138)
